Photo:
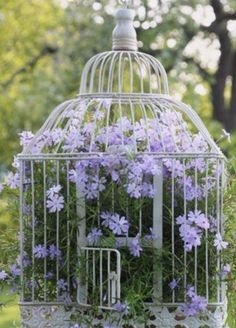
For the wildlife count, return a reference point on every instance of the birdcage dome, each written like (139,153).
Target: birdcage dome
(123,105)
(123,71)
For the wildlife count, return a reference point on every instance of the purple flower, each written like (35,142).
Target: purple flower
(199,219)
(195,305)
(73,141)
(219,243)
(25,138)
(31,283)
(40,252)
(3,275)
(54,252)
(173,284)
(98,183)
(106,103)
(13,180)
(151,236)
(76,325)
(54,191)
(106,218)
(190,235)
(61,284)
(1,187)
(15,270)
(191,228)
(226,270)
(150,166)
(55,204)
(56,136)
(181,219)
(190,291)
(49,275)
(119,225)
(25,260)
(147,190)
(134,189)
(122,307)
(135,247)
(94,236)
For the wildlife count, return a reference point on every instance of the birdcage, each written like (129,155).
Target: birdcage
(121,203)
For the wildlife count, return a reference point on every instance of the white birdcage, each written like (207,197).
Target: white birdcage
(125,148)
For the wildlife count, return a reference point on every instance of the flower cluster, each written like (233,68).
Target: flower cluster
(40,252)
(195,305)
(191,228)
(116,223)
(55,202)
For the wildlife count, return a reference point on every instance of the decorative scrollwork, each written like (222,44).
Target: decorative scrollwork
(48,316)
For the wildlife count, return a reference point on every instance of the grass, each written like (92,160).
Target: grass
(9,314)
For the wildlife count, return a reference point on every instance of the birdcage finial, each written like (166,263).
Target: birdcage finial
(125,3)
(124,34)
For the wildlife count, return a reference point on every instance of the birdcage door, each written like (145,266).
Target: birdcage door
(99,279)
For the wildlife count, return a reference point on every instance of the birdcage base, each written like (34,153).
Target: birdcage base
(58,316)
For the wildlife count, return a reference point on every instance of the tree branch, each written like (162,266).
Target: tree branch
(29,65)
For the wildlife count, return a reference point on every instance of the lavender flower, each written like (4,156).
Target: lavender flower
(76,325)
(31,283)
(190,235)
(15,270)
(122,307)
(1,187)
(191,228)
(54,191)
(134,189)
(135,247)
(56,136)
(119,225)
(147,190)
(61,284)
(25,260)
(195,305)
(226,271)
(25,138)
(173,284)
(219,243)
(40,252)
(54,252)
(151,236)
(94,236)
(49,275)
(55,204)
(3,275)
(13,180)
(106,218)
(150,166)
(199,219)
(73,141)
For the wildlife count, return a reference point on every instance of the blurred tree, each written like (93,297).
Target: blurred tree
(45,43)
